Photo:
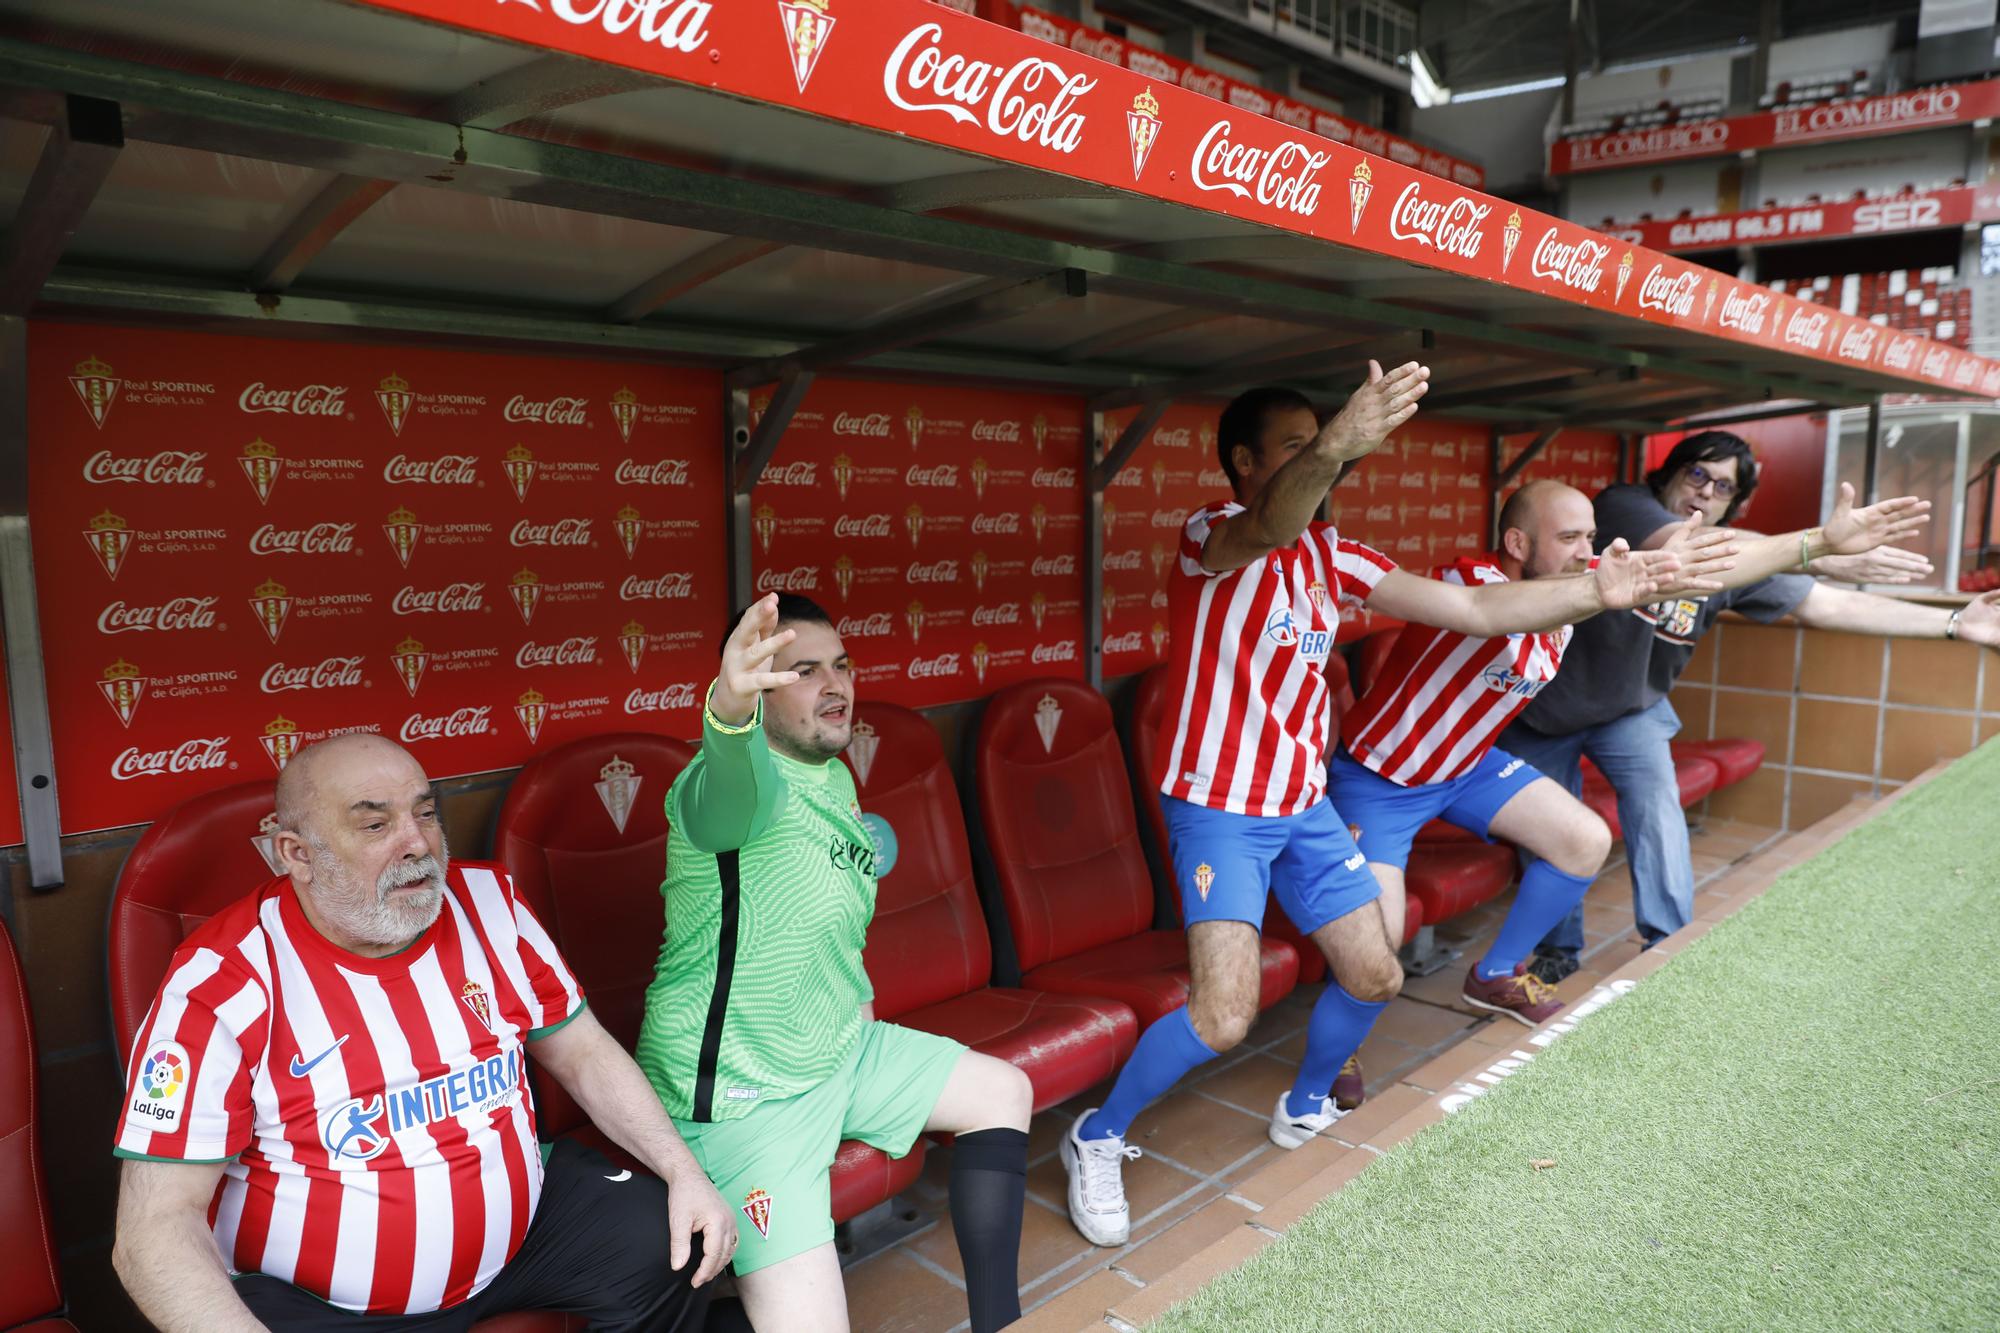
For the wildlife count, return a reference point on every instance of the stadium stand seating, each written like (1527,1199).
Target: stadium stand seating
(1059,823)
(929,954)
(31,1289)
(594,881)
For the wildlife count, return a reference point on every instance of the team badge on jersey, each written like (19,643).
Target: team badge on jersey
(1204,879)
(1674,621)
(478,1002)
(757,1207)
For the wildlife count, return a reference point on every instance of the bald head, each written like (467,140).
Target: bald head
(1546,528)
(322,772)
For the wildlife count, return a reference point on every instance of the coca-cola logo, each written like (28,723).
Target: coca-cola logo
(659,472)
(871,424)
(877,626)
(1965,372)
(791,474)
(926,668)
(861,525)
(1744,311)
(803,578)
(472,720)
(665,587)
(334,673)
(177,614)
(1807,328)
(684,695)
(562,532)
(168,467)
(1673,296)
(996,432)
(1284,177)
(1032,101)
(985,525)
(937,571)
(448,470)
(1207,82)
(675,25)
(1045,653)
(1177,437)
(1166,518)
(1935,362)
(576,650)
(1125,643)
(200,755)
(939,475)
(308,400)
(453,597)
(1006,613)
(1054,478)
(1578,266)
(1054,566)
(563,410)
(1213,478)
(1858,342)
(1122,560)
(1901,353)
(1451,228)
(319,539)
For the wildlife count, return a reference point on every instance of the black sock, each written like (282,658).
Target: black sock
(727,1315)
(989,1185)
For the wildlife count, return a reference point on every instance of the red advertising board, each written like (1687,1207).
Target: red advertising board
(1820,222)
(941,528)
(1173,472)
(1894,113)
(244,545)
(1421,498)
(936,76)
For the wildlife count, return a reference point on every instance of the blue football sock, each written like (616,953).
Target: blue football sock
(1166,1050)
(1546,896)
(1339,1025)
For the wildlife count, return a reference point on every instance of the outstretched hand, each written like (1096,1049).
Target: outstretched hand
(1627,578)
(745,657)
(1884,564)
(1851,531)
(1704,553)
(1383,403)
(1979,620)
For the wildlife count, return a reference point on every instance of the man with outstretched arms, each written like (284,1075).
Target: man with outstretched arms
(1255,599)
(1610,702)
(759,1034)
(327,1119)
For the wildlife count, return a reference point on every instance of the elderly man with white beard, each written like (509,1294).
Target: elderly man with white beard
(327,1123)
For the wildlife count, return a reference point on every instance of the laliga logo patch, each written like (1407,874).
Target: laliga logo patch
(163,1080)
(884,838)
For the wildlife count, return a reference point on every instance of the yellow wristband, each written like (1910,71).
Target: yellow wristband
(1805,548)
(709,718)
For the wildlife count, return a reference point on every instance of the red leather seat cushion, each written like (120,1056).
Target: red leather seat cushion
(1734,757)
(1149,972)
(1697,777)
(865,1176)
(1450,879)
(1439,830)
(1063,1043)
(1372,655)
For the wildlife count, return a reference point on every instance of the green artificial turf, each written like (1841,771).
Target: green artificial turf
(1794,1125)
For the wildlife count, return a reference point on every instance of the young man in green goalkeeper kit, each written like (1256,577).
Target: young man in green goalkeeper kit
(759,1033)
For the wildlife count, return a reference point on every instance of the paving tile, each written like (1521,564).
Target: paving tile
(1286,1169)
(1614,955)
(1149,1183)
(1048,1241)
(893,1293)
(1416,1023)
(1079,1308)
(1373,1114)
(1442,989)
(1456,1063)
(1574,986)
(1196,1132)
(1141,1306)
(1644,965)
(1316,1189)
(1426,1114)
(1184,1239)
(1252,1084)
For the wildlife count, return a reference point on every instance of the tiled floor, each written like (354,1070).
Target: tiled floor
(1205,1141)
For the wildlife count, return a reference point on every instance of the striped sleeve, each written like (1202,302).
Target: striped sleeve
(189,1074)
(554,989)
(1359,568)
(1194,535)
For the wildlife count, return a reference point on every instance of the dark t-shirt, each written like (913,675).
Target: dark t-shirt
(1623,661)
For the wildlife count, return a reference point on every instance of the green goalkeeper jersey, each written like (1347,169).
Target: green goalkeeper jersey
(770,887)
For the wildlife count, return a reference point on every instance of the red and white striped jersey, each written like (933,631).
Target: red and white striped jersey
(1246,723)
(1443,697)
(374,1112)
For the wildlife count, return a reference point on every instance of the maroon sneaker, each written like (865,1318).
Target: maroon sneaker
(1522,995)
(1348,1092)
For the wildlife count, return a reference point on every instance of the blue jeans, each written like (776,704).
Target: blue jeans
(1632,753)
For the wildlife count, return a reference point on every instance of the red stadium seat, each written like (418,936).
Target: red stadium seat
(594,880)
(1065,843)
(31,1290)
(1697,777)
(1735,758)
(928,952)
(1371,655)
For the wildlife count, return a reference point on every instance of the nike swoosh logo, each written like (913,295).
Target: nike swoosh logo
(622,1175)
(301,1070)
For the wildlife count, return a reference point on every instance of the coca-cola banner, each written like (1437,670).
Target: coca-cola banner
(1173,472)
(936,76)
(1924,211)
(245,545)
(942,529)
(1421,498)
(1585,459)
(1894,113)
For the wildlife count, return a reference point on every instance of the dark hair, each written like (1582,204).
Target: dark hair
(792,610)
(1706,447)
(1242,422)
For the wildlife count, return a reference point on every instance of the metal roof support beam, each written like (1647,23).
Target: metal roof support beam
(1171,321)
(80,152)
(1542,388)
(1505,477)
(326,215)
(1705,421)
(1643,417)
(1129,439)
(918,327)
(683,277)
(756,455)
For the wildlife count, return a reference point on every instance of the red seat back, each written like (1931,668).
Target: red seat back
(31,1287)
(1059,820)
(583,831)
(928,941)
(1372,656)
(189,865)
(1149,710)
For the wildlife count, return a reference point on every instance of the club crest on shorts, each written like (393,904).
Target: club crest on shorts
(757,1207)
(1204,879)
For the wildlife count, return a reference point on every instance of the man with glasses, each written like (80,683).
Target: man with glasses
(1610,700)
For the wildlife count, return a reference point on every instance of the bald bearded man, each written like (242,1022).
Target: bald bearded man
(327,1123)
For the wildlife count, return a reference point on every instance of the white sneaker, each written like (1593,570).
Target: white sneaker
(1096,1187)
(1291,1131)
